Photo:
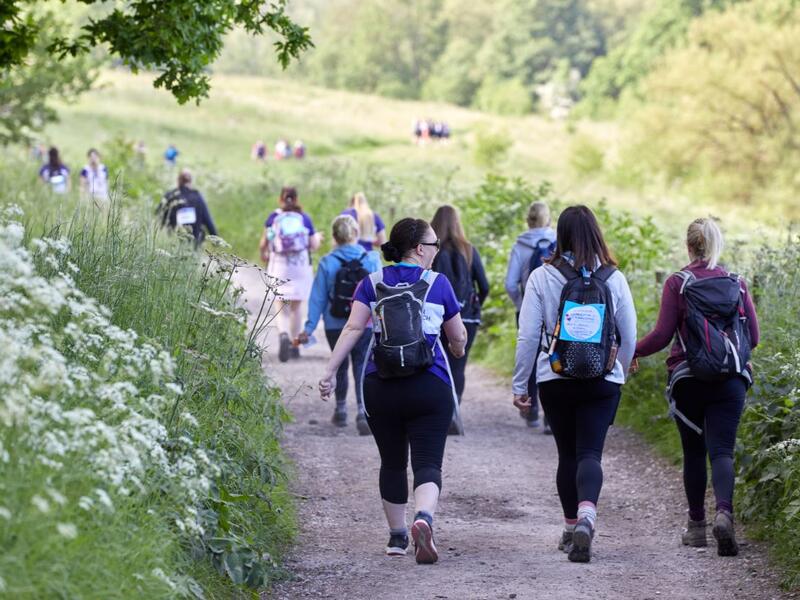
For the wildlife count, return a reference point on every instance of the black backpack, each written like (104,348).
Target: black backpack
(717,343)
(458,273)
(542,250)
(350,273)
(585,340)
(401,349)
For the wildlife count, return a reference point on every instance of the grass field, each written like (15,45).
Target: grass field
(368,136)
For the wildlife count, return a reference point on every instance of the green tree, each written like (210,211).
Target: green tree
(178,38)
(532,39)
(27,88)
(660,29)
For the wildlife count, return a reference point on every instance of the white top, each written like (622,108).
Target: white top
(540,306)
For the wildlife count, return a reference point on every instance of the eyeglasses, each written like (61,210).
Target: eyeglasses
(437,243)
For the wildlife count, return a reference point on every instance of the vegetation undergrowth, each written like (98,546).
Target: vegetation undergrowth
(768,447)
(139,439)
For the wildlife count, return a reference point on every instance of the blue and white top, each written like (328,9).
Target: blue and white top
(440,306)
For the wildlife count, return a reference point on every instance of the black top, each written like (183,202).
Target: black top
(470,284)
(186,207)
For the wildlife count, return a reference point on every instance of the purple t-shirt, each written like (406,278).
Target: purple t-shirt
(306,221)
(441,306)
(379,226)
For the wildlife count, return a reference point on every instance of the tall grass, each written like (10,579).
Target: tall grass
(183,303)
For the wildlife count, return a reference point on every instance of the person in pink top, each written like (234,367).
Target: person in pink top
(707,408)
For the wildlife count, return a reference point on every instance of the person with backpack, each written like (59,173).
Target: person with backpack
(408,389)
(529,252)
(338,274)
(370,225)
(55,173)
(577,328)
(710,314)
(288,239)
(184,207)
(459,261)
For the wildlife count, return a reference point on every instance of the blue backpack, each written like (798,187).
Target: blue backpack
(542,250)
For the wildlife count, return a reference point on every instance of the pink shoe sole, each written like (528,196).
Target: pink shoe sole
(424,548)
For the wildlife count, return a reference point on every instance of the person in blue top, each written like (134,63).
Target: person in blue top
(371,227)
(321,304)
(408,390)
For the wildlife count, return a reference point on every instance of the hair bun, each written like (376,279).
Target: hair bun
(390,252)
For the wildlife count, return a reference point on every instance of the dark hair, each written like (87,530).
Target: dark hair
(53,158)
(406,234)
(288,200)
(89,153)
(579,233)
(447,225)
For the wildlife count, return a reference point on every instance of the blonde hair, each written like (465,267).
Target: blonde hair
(704,240)
(345,230)
(538,215)
(364,216)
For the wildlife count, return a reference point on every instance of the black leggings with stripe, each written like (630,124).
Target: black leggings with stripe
(408,412)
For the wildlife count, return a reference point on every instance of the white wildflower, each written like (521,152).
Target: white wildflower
(86,503)
(67,530)
(5,513)
(57,497)
(41,504)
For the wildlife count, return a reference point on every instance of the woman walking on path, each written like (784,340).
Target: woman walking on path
(55,173)
(372,231)
(711,315)
(338,274)
(529,252)
(582,306)
(285,246)
(408,392)
(459,261)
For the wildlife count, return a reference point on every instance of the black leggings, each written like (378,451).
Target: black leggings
(580,413)
(459,365)
(716,409)
(414,410)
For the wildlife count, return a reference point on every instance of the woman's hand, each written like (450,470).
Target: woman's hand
(326,385)
(634,368)
(264,256)
(302,338)
(523,403)
(457,351)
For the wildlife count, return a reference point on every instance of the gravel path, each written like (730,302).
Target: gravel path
(499,518)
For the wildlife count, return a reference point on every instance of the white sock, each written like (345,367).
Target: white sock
(587,510)
(395,515)
(426,497)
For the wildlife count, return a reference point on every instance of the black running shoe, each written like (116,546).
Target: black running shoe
(339,418)
(397,546)
(424,548)
(581,550)
(284,348)
(361,424)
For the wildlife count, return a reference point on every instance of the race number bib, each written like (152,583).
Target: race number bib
(186,216)
(582,322)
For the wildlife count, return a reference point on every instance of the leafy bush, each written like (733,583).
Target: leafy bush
(142,361)
(585,156)
(509,97)
(491,147)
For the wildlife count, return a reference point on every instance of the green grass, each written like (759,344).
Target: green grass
(152,285)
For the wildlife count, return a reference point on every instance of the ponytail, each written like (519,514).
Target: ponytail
(704,240)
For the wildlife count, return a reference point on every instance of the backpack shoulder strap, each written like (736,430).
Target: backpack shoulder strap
(604,273)
(376,278)
(568,271)
(687,277)
(429,277)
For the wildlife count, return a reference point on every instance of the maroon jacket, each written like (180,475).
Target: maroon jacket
(673,315)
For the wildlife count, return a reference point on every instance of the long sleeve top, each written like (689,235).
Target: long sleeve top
(519,259)
(445,264)
(540,310)
(319,303)
(672,316)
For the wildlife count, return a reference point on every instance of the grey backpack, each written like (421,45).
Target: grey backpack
(401,349)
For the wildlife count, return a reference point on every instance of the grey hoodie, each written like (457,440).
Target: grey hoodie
(517,274)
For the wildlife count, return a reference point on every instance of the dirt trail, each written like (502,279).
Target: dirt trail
(499,518)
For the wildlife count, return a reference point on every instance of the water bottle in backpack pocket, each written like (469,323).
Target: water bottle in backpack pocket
(585,341)
(402,349)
